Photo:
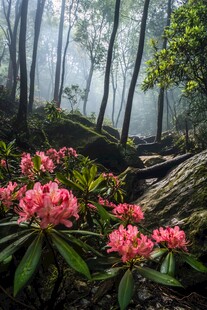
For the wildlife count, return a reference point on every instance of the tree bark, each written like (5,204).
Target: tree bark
(71,24)
(159,170)
(88,86)
(108,67)
(127,116)
(12,41)
(38,21)
(21,124)
(162,90)
(59,55)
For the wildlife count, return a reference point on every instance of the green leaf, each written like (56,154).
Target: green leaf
(168,264)
(14,236)
(13,247)
(109,273)
(158,277)
(125,290)
(193,262)
(102,263)
(102,212)
(28,264)
(68,182)
(157,253)
(94,184)
(70,255)
(37,162)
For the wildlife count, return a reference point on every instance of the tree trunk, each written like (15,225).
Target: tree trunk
(38,21)
(114,86)
(88,86)
(122,100)
(161,93)
(159,170)
(22,112)
(59,55)
(127,116)
(71,24)
(12,39)
(108,67)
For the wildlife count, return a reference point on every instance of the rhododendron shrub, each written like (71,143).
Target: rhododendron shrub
(60,202)
(48,205)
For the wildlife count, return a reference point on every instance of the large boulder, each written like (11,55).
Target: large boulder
(181,199)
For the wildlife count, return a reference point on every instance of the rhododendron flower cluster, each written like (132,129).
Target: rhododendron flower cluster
(105,202)
(172,237)
(129,213)
(57,156)
(6,194)
(49,205)
(27,165)
(111,176)
(3,163)
(49,160)
(130,243)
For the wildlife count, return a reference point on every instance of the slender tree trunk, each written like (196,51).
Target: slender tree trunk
(122,100)
(88,86)
(9,76)
(108,67)
(114,86)
(38,21)
(127,116)
(22,112)
(161,93)
(12,38)
(59,55)
(71,24)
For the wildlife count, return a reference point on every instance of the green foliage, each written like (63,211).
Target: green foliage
(183,61)
(75,95)
(83,248)
(125,291)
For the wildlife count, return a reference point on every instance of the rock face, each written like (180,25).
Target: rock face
(181,199)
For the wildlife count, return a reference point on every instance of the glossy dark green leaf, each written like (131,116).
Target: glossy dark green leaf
(68,182)
(158,277)
(15,236)
(168,264)
(14,246)
(70,255)
(102,263)
(125,291)
(102,212)
(193,262)
(157,253)
(108,273)
(28,264)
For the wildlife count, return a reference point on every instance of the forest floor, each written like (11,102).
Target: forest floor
(78,294)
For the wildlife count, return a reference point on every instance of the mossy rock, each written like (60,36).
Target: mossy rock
(181,199)
(106,153)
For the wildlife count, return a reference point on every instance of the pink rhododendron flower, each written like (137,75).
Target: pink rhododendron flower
(27,165)
(3,163)
(127,212)
(57,156)
(105,202)
(172,237)
(111,176)
(46,163)
(129,243)
(6,194)
(49,205)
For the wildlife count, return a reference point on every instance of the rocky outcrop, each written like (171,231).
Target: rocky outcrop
(181,199)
